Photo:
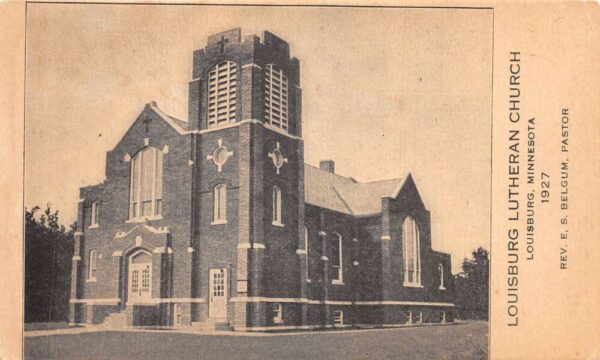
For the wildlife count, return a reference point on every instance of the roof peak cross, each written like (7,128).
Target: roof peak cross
(222,43)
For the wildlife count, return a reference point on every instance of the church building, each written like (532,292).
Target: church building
(217,222)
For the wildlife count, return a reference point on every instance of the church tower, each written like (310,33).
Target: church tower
(248,184)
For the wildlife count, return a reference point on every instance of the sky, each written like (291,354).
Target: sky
(385,92)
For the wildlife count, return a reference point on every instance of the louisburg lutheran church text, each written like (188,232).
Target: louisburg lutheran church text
(217,222)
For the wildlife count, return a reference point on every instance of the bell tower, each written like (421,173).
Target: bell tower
(245,116)
(253,79)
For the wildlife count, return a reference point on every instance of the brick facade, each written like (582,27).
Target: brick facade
(248,271)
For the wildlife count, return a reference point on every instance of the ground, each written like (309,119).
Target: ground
(461,341)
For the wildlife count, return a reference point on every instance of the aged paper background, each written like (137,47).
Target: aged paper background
(559,45)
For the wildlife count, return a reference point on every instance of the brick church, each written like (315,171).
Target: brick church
(217,222)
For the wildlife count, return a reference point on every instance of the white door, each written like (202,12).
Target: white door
(217,306)
(140,277)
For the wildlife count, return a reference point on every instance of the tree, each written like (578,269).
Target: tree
(472,286)
(48,257)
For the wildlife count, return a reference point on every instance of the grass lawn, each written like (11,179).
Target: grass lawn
(463,341)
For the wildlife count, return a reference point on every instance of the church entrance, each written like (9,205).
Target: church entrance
(217,306)
(140,276)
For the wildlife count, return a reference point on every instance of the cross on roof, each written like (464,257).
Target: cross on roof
(147,120)
(222,43)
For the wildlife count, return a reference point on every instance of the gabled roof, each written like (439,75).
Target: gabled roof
(344,194)
(180,125)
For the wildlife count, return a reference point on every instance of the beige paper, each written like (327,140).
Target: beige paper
(386,90)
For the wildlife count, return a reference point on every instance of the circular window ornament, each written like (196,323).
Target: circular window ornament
(277,158)
(220,155)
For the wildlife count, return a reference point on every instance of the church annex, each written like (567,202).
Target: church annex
(217,222)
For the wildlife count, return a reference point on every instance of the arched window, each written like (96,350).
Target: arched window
(412,252)
(441,272)
(222,87)
(220,204)
(145,195)
(277,206)
(336,258)
(276,97)
(95,211)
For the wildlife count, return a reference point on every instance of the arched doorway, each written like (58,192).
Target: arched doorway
(140,276)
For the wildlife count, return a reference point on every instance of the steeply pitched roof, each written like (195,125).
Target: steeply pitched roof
(346,195)
(179,125)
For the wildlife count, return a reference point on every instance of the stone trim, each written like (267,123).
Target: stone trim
(258,299)
(143,219)
(113,301)
(154,301)
(117,253)
(78,233)
(163,250)
(251,65)
(405,303)
(386,237)
(329,302)
(76,258)
(301,252)
(245,121)
(251,246)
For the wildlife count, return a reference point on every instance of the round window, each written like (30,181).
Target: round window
(277,158)
(220,155)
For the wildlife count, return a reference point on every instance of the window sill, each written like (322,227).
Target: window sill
(91,280)
(412,285)
(337,282)
(219,222)
(277,223)
(93,226)
(144,219)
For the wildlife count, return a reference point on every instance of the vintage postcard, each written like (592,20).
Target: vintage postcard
(300,181)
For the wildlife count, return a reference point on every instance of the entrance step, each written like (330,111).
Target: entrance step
(213,324)
(117,320)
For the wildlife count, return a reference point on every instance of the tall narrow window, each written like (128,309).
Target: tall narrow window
(307,262)
(92,265)
(222,87)
(145,195)
(277,206)
(277,313)
(338,317)
(412,256)
(220,204)
(95,211)
(337,275)
(441,272)
(276,97)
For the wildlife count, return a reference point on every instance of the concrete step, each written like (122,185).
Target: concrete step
(115,321)
(216,324)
